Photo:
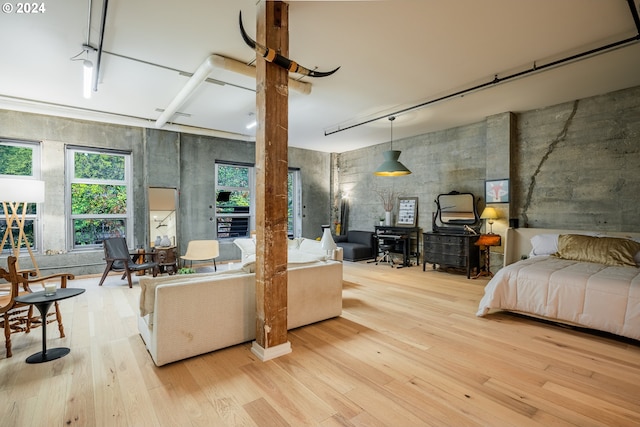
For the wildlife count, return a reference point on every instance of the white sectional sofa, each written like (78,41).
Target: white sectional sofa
(188,315)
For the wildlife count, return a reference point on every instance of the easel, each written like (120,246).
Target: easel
(19,219)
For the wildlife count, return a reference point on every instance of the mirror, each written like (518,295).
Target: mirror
(455,211)
(162,214)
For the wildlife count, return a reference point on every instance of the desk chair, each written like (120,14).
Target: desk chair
(384,251)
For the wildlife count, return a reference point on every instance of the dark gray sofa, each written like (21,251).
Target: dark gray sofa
(356,245)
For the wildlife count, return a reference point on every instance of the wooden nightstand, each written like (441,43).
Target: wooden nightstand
(485,241)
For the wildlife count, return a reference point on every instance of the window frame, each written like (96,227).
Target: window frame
(36,156)
(296,216)
(70,152)
(252,198)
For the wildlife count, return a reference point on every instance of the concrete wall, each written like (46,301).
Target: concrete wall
(160,159)
(573,166)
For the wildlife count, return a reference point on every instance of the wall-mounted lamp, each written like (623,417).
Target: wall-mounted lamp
(490,215)
(391,166)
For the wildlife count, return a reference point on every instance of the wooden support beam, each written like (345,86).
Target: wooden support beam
(271,184)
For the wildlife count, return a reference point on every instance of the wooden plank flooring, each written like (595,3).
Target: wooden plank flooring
(408,350)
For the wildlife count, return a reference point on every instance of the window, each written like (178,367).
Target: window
(99,188)
(294,208)
(234,200)
(19,159)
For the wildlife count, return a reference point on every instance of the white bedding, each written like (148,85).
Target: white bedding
(587,294)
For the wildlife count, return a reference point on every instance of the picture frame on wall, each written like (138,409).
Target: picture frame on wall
(496,191)
(407,212)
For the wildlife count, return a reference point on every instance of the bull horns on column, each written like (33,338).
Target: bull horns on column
(272,56)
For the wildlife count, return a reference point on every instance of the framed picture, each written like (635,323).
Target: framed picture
(496,191)
(407,211)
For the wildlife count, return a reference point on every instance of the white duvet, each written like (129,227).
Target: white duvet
(592,295)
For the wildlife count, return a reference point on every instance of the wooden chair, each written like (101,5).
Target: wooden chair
(116,253)
(202,250)
(17,317)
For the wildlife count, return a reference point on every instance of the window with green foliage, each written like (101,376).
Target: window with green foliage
(99,187)
(234,200)
(19,159)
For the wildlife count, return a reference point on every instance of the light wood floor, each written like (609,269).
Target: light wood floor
(408,350)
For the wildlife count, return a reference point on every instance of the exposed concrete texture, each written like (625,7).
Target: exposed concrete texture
(440,162)
(159,159)
(585,163)
(590,178)
(584,156)
(316,183)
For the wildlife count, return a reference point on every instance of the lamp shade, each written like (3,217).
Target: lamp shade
(489,213)
(327,242)
(21,190)
(391,166)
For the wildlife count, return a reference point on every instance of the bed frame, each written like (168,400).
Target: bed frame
(518,244)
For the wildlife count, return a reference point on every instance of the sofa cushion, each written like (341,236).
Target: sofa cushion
(312,246)
(247,247)
(358,245)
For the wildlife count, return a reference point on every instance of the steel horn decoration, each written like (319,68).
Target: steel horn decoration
(272,56)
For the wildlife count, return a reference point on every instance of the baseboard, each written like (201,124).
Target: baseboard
(265,354)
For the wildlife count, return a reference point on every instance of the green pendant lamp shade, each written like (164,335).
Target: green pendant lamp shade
(391,166)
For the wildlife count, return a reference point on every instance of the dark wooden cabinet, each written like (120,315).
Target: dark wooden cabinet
(451,250)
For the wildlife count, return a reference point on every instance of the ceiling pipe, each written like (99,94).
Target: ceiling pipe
(202,74)
(192,84)
(634,14)
(536,68)
(105,4)
(250,71)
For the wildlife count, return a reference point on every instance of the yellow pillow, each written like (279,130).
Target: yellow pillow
(601,250)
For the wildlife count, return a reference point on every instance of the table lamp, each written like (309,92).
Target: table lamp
(489,214)
(16,194)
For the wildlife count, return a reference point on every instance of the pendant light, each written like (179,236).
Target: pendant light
(391,166)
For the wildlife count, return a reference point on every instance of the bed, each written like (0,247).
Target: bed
(586,279)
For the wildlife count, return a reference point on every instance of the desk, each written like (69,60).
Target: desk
(43,303)
(408,238)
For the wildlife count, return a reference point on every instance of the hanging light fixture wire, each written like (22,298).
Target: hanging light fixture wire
(391,166)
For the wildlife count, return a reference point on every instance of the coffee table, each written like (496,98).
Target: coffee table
(43,303)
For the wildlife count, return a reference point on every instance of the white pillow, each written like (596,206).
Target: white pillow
(247,246)
(293,244)
(544,244)
(312,246)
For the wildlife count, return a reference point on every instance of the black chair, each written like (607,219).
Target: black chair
(116,253)
(384,249)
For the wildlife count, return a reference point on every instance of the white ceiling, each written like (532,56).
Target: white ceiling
(393,55)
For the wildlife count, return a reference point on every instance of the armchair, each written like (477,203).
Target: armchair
(118,258)
(17,317)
